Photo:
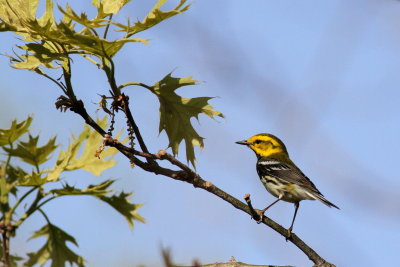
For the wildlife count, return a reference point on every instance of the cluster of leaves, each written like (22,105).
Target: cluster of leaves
(51,44)
(20,183)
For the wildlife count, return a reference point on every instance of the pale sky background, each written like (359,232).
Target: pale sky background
(321,75)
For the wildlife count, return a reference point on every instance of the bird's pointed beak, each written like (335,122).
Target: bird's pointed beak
(243,142)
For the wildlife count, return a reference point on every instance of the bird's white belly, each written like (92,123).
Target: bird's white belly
(290,192)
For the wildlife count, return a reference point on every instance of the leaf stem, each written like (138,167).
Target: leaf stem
(69,91)
(134,83)
(107,27)
(32,207)
(45,216)
(4,191)
(19,201)
(32,210)
(63,88)
(9,156)
(91,60)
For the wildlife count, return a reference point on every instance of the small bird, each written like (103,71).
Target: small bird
(280,176)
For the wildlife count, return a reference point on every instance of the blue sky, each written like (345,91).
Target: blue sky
(321,75)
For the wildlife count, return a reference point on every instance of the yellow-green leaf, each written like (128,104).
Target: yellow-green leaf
(87,160)
(90,140)
(83,18)
(113,6)
(17,12)
(38,54)
(48,16)
(8,136)
(154,17)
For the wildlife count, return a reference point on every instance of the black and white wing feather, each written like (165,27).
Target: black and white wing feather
(285,172)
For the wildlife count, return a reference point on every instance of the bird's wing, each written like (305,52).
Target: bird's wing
(285,172)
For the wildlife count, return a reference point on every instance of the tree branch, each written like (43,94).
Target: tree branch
(232,264)
(188,175)
(6,230)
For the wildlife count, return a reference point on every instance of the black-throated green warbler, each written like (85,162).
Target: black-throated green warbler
(280,176)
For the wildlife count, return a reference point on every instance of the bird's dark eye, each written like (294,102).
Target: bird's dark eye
(257,142)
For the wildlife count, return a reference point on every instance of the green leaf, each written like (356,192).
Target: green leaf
(122,204)
(55,248)
(33,179)
(85,42)
(92,190)
(60,40)
(83,18)
(31,153)
(13,175)
(16,176)
(176,112)
(8,136)
(154,17)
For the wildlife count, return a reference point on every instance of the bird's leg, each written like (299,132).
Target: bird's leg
(261,212)
(296,207)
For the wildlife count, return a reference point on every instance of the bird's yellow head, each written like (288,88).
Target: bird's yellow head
(265,145)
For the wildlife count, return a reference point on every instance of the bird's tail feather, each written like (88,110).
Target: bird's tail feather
(324,200)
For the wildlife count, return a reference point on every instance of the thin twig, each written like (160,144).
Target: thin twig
(162,154)
(253,212)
